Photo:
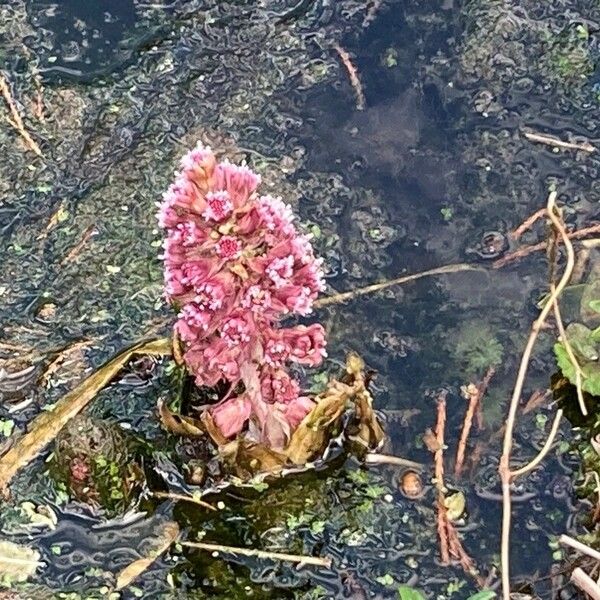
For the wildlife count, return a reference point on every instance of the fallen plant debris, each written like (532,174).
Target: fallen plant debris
(353,72)
(15,119)
(557,143)
(165,537)
(507,473)
(46,425)
(295,558)
(474,394)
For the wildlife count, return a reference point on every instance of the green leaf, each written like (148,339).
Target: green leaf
(409,593)
(594,305)
(590,371)
(483,595)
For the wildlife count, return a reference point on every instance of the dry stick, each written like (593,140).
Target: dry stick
(296,558)
(552,141)
(532,464)
(566,540)
(559,322)
(442,515)
(387,459)
(504,468)
(183,498)
(16,120)
(474,403)
(78,247)
(585,583)
(375,287)
(528,223)
(353,74)
(527,250)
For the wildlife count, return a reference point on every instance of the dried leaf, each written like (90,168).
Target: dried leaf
(367,430)
(47,424)
(314,431)
(168,534)
(247,459)
(538,398)
(430,441)
(179,424)
(17,563)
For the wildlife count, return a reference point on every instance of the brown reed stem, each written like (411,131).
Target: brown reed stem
(296,558)
(474,404)
(504,469)
(15,118)
(353,75)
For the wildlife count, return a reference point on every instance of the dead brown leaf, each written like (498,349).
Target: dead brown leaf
(168,534)
(430,441)
(179,424)
(538,398)
(314,431)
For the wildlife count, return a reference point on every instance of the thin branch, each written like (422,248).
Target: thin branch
(566,540)
(532,464)
(527,250)
(442,513)
(353,75)
(295,558)
(376,287)
(387,459)
(585,583)
(474,402)
(504,468)
(528,223)
(552,141)
(183,498)
(16,120)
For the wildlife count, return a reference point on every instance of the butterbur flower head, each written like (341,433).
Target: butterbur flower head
(228,248)
(218,206)
(235,265)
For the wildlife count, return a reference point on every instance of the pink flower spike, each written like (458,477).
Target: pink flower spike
(280,270)
(240,181)
(218,206)
(229,248)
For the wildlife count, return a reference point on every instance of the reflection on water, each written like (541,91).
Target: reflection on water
(418,179)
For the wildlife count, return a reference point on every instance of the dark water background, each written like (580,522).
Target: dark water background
(436,160)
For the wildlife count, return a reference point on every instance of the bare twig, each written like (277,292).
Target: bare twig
(528,223)
(387,459)
(442,515)
(585,583)
(353,75)
(504,469)
(15,118)
(376,287)
(295,558)
(566,540)
(78,247)
(552,141)
(527,250)
(183,498)
(475,396)
(559,227)
(532,464)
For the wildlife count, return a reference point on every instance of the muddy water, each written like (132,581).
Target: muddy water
(434,163)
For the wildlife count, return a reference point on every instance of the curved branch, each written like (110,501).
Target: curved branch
(532,464)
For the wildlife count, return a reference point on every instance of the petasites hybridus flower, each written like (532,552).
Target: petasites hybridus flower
(235,265)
